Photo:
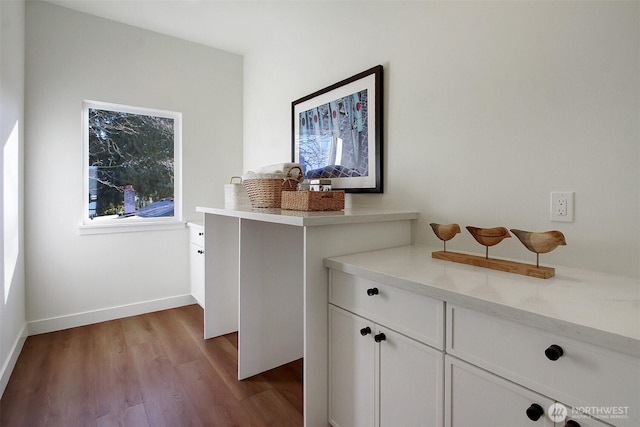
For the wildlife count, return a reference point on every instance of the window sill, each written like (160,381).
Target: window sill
(130,227)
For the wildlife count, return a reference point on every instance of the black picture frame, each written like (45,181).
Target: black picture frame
(336,133)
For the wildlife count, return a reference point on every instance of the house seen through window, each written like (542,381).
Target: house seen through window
(132,163)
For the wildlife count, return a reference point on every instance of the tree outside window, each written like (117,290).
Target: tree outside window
(131,162)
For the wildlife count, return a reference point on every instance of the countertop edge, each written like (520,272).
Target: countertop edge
(303,219)
(620,343)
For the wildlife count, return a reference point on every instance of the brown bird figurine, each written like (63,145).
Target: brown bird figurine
(540,242)
(445,232)
(488,236)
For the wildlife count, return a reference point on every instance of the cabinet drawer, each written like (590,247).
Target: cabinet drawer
(478,398)
(583,376)
(196,234)
(417,316)
(474,397)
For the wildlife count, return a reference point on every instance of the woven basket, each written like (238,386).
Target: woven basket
(313,200)
(267,192)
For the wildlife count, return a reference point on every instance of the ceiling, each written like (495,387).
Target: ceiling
(231,25)
(237,26)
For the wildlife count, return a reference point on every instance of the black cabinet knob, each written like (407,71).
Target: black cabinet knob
(200,251)
(380,337)
(571,423)
(372,291)
(554,352)
(534,412)
(201,234)
(365,331)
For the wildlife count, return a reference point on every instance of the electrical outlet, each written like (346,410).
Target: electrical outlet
(562,206)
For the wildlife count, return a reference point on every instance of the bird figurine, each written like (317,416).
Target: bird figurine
(540,242)
(445,232)
(488,236)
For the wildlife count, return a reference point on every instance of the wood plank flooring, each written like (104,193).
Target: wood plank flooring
(149,370)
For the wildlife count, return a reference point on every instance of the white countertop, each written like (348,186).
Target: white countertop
(303,218)
(594,307)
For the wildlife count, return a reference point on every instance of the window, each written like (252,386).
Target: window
(131,167)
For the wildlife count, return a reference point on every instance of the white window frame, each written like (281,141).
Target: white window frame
(120,225)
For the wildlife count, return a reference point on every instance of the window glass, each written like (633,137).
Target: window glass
(131,163)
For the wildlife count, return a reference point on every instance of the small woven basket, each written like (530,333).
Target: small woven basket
(267,192)
(313,200)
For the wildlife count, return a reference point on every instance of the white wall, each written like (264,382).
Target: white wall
(71,56)
(489,107)
(12,292)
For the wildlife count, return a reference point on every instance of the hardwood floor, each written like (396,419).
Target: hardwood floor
(149,370)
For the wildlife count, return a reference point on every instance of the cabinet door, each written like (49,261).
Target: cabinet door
(410,382)
(196,261)
(351,369)
(474,397)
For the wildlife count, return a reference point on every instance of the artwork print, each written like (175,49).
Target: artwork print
(334,138)
(337,133)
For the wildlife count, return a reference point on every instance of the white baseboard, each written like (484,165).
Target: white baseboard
(10,363)
(89,317)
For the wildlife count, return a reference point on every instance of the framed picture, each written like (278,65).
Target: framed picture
(336,133)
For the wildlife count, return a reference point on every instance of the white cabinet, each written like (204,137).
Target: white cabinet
(579,376)
(352,370)
(417,316)
(477,398)
(196,261)
(515,351)
(378,376)
(410,379)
